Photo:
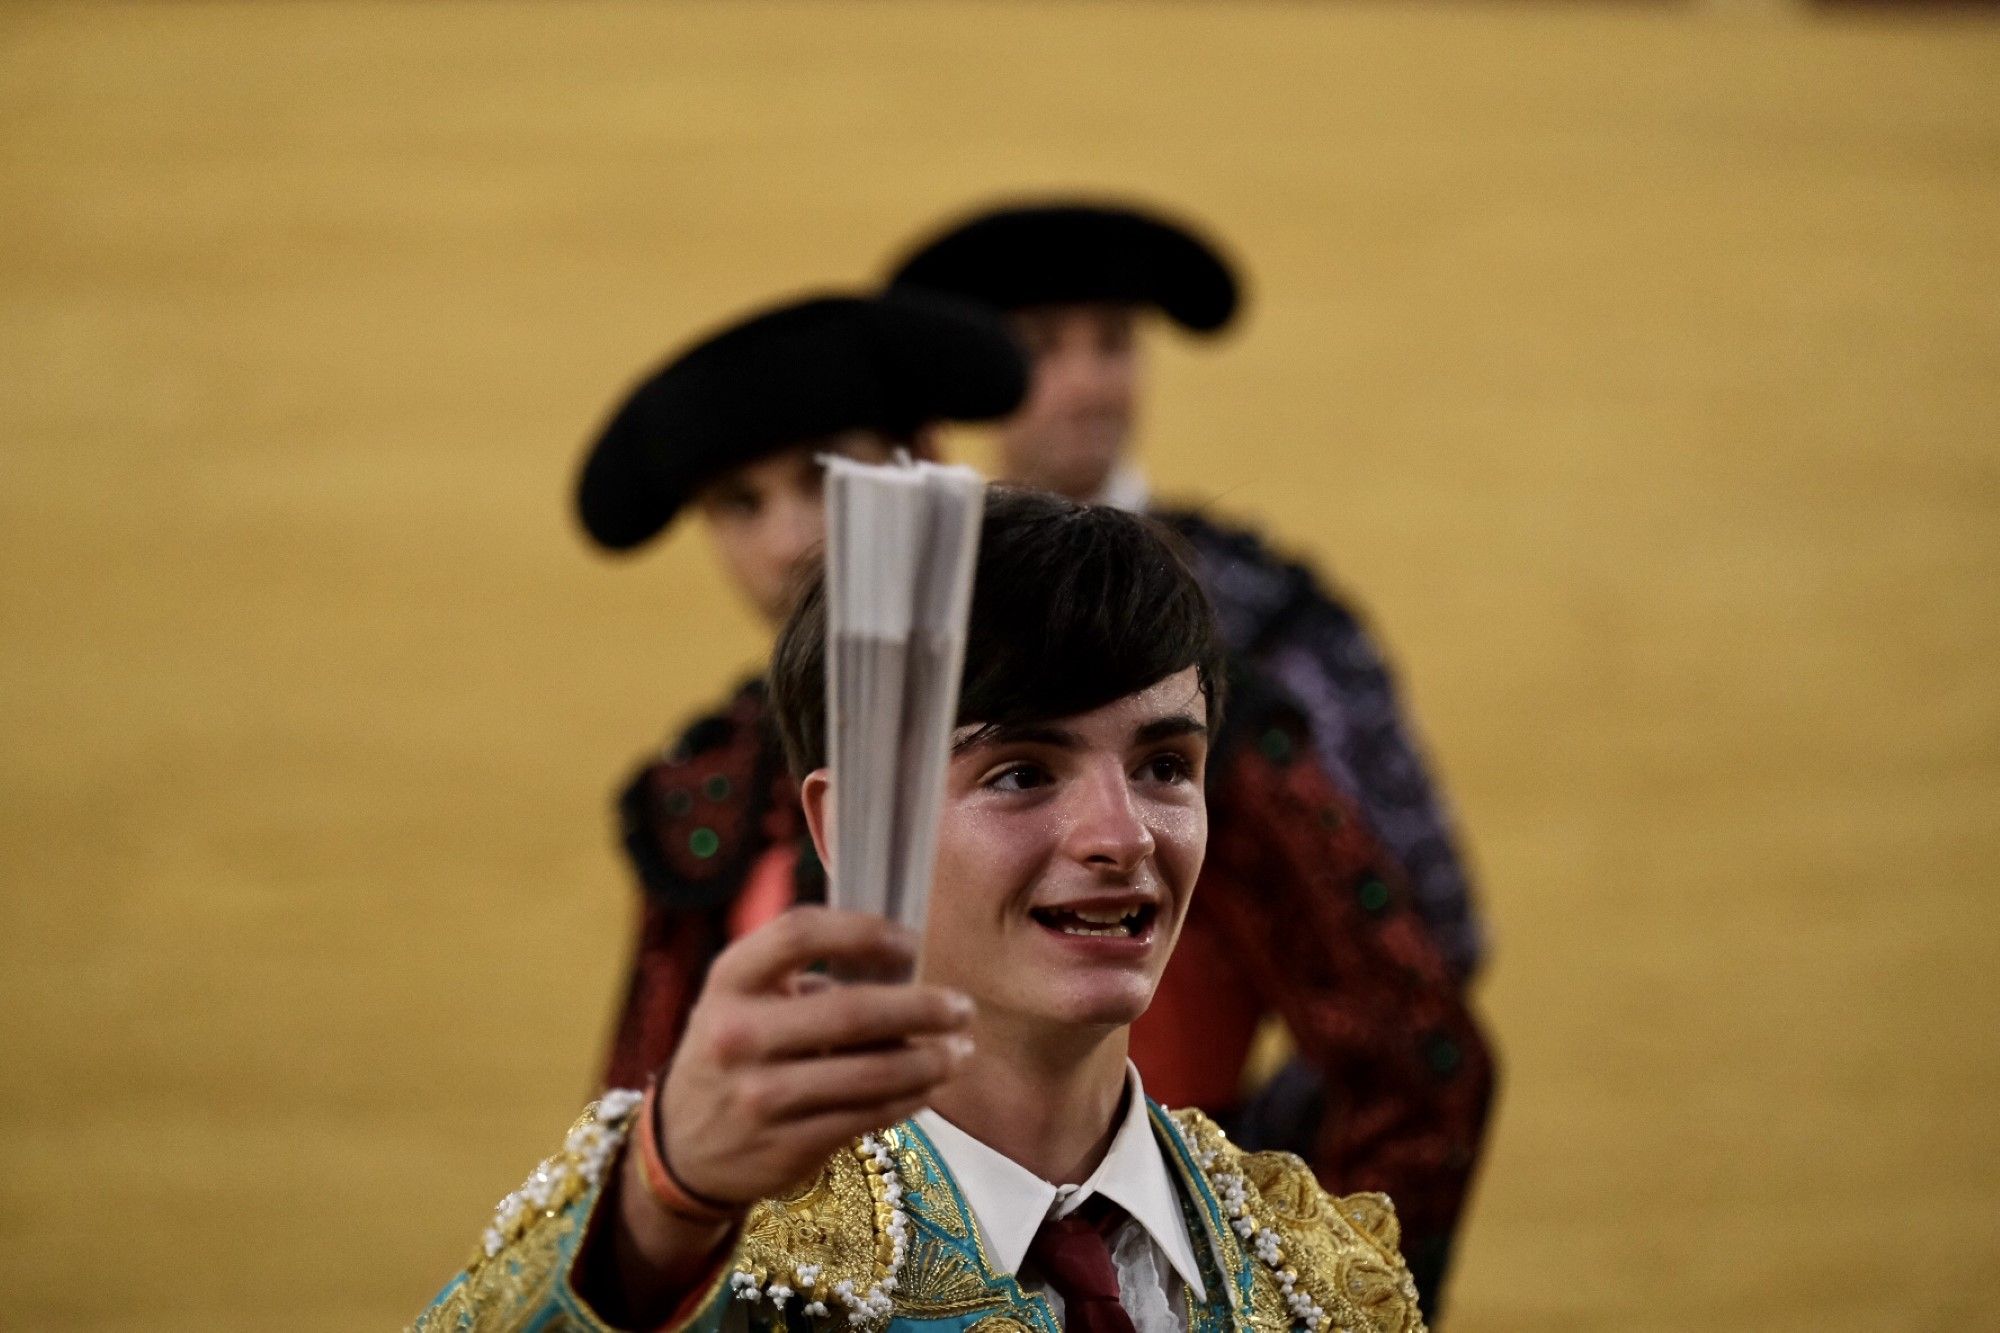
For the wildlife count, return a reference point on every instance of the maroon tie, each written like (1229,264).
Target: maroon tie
(1075,1259)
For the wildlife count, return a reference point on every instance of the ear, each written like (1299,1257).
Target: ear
(924,444)
(816,795)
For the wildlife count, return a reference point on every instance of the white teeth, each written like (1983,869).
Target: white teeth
(1097,921)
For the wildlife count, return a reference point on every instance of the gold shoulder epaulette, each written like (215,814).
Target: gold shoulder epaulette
(1325,1264)
(523,1258)
(834,1245)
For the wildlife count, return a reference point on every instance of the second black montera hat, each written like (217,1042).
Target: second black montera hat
(1063,251)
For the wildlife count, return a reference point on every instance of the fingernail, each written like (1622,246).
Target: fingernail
(958,1047)
(959,1003)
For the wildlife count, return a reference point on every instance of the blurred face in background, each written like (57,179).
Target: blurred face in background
(767,518)
(1075,425)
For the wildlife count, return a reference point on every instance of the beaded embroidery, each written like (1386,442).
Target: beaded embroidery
(866,1307)
(835,1252)
(565,1176)
(1354,1281)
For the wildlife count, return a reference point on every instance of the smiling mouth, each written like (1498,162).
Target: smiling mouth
(1127,923)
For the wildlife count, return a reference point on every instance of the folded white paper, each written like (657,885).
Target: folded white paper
(901,544)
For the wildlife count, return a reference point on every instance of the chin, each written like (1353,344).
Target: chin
(1102,1006)
(1091,467)
(1080,467)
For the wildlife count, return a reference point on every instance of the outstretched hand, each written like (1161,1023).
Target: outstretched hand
(779,1067)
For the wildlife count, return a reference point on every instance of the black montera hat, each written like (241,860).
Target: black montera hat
(1059,252)
(797,372)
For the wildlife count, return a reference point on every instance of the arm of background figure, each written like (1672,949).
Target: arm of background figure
(1325,656)
(669,962)
(1299,885)
(693,823)
(1301,632)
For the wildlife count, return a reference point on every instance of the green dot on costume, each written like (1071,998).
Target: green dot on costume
(1374,894)
(1275,745)
(703,842)
(715,787)
(1441,1054)
(1329,817)
(679,804)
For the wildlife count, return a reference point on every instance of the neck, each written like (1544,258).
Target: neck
(1050,1102)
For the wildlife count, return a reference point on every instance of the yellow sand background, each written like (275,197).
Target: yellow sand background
(1637,366)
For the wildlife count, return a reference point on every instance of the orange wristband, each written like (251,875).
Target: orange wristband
(668,1192)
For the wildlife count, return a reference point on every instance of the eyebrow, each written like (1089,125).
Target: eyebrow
(1058,738)
(1167,728)
(1019,733)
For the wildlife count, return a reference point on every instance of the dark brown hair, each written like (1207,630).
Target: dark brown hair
(1073,606)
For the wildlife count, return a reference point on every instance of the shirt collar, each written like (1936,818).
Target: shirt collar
(1010,1202)
(1125,489)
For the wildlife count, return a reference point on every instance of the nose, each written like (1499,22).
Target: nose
(1106,831)
(1059,370)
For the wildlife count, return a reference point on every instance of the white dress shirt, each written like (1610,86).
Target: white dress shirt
(1151,1248)
(1126,488)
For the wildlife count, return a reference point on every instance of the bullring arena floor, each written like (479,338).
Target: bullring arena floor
(1635,364)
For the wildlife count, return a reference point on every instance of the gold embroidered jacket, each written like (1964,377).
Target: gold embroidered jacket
(883,1242)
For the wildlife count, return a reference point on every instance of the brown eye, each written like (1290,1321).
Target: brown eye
(1019,777)
(1168,768)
